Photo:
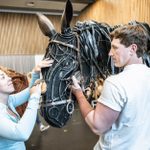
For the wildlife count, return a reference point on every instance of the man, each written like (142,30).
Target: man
(121,117)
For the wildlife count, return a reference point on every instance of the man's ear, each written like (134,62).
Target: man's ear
(133,49)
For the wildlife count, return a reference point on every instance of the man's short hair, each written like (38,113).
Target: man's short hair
(132,34)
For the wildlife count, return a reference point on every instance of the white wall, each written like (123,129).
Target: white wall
(19,63)
(38,58)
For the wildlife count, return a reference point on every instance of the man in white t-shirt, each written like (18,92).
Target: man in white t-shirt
(121,117)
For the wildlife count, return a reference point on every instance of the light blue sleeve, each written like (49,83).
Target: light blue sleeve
(23,96)
(21,130)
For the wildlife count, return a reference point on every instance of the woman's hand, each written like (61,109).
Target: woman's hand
(36,89)
(43,64)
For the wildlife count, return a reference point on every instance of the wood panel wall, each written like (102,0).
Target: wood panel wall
(117,11)
(20,34)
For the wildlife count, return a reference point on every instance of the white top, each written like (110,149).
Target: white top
(129,93)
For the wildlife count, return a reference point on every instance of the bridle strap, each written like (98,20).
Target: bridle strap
(55,103)
(65,44)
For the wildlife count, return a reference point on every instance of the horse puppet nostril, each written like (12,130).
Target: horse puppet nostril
(53,112)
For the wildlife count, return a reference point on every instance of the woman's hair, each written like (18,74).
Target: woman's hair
(4,69)
(132,34)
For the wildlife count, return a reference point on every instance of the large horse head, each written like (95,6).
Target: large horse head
(81,51)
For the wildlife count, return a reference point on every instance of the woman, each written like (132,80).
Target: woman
(13,129)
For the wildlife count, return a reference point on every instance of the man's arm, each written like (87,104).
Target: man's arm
(99,119)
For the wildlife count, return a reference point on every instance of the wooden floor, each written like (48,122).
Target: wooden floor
(76,135)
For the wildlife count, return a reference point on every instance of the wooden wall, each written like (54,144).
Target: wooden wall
(117,11)
(20,34)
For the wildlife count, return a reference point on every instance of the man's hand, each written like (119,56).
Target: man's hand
(75,83)
(75,87)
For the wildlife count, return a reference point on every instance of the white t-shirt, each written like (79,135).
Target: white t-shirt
(129,93)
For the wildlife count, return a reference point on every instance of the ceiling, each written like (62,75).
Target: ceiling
(52,7)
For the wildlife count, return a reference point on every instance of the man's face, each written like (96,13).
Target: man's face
(6,85)
(120,54)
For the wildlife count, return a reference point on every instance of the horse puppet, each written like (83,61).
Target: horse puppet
(81,51)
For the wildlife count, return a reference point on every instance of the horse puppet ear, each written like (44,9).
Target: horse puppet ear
(45,25)
(66,16)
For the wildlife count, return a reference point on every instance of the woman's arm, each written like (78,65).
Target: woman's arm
(23,96)
(22,130)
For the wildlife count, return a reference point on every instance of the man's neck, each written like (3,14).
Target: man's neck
(135,60)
